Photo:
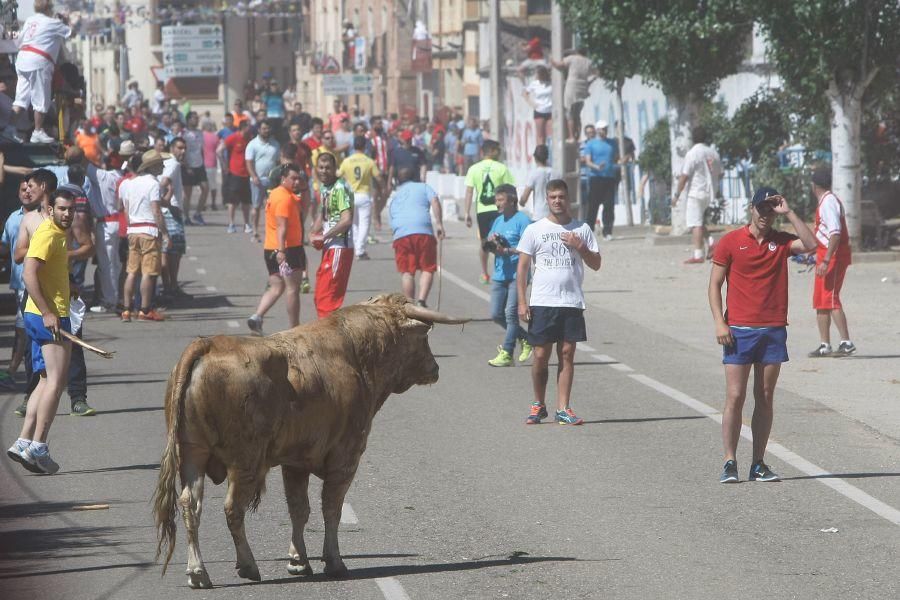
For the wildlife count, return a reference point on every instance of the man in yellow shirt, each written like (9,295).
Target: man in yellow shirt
(46,278)
(363,175)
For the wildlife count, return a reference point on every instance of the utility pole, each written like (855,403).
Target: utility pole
(557,152)
(494,51)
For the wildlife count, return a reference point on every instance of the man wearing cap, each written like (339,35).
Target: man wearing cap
(104,205)
(407,156)
(753,332)
(601,157)
(141,199)
(700,175)
(832,259)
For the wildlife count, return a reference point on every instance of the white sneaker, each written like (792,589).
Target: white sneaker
(39,136)
(248,228)
(231,228)
(19,455)
(607,238)
(99,308)
(43,462)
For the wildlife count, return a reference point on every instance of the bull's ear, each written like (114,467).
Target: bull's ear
(415,324)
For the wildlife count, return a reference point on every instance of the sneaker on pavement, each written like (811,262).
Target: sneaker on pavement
(568,417)
(42,462)
(607,238)
(526,352)
(537,414)
(7,381)
(22,408)
(421,303)
(39,136)
(100,309)
(126,316)
(371,240)
(198,219)
(17,453)
(80,408)
(729,473)
(255,324)
(503,358)
(695,261)
(821,352)
(304,286)
(188,221)
(248,228)
(845,349)
(760,471)
(363,256)
(150,315)
(231,228)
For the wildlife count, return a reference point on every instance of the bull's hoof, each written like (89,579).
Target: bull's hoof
(338,571)
(250,572)
(302,569)
(198,579)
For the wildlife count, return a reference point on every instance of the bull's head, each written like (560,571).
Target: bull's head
(418,364)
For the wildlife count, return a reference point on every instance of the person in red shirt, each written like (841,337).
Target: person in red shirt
(136,123)
(752,332)
(832,259)
(237,185)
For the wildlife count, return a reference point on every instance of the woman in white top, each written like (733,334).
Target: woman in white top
(539,94)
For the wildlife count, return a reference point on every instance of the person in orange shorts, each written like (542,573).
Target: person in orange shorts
(832,259)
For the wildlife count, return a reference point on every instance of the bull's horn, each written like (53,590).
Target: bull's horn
(423,314)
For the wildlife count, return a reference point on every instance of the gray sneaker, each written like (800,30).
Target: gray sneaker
(729,473)
(21,410)
(42,462)
(255,324)
(18,454)
(80,408)
(845,349)
(821,352)
(760,471)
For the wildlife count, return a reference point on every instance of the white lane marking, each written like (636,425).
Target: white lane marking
(391,588)
(612,363)
(210,288)
(885,511)
(201,271)
(348,517)
(233,324)
(466,285)
(192,258)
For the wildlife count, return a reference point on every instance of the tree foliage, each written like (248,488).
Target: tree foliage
(684,46)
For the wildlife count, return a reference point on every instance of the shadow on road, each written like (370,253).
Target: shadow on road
(147,467)
(28,544)
(841,476)
(644,420)
(138,409)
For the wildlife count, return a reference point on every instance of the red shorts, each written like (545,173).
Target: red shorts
(417,252)
(827,290)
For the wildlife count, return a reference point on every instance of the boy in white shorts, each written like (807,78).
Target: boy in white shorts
(39,45)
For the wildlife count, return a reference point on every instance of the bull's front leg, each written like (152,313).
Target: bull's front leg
(333,491)
(296,485)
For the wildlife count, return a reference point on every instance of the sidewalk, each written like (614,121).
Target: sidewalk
(650,285)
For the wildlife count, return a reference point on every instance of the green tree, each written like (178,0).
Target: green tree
(684,46)
(844,51)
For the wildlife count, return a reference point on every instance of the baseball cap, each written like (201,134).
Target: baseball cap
(601,124)
(762,194)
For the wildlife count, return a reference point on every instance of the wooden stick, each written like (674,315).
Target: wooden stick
(85,345)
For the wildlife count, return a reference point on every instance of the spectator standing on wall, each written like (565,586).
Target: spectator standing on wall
(578,72)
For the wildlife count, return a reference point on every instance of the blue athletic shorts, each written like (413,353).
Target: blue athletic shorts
(40,335)
(766,345)
(551,324)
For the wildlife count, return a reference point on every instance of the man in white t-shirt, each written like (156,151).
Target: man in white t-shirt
(172,196)
(141,198)
(700,176)
(158,106)
(536,187)
(559,247)
(39,45)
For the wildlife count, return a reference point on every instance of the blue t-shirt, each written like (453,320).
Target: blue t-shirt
(264,155)
(472,140)
(451,143)
(10,237)
(602,152)
(411,209)
(511,228)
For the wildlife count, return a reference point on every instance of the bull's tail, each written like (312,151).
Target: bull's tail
(165,498)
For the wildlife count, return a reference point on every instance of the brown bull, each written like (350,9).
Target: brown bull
(303,399)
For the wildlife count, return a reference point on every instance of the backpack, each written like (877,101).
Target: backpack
(487,190)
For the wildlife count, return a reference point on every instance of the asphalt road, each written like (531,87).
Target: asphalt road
(455,497)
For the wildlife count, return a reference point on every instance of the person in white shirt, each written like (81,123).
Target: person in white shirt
(172,201)
(39,45)
(559,247)
(536,187)
(700,176)
(133,97)
(158,105)
(140,198)
(539,94)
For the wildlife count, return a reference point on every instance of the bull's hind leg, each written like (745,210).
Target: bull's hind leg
(333,491)
(242,488)
(193,462)
(296,486)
